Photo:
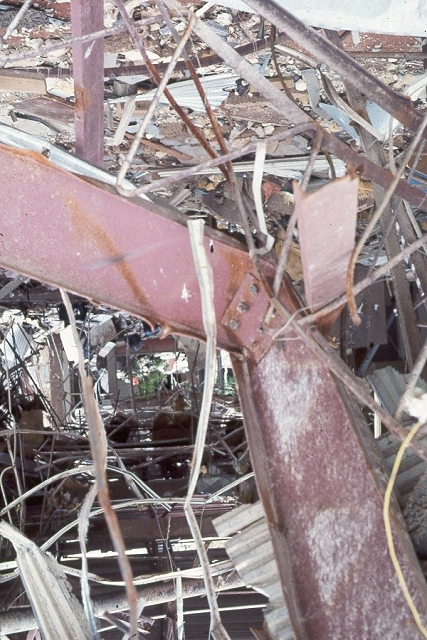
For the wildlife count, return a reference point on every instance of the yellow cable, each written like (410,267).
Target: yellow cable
(386,516)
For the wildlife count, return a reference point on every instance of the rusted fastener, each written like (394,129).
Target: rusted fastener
(242,307)
(254,289)
(234,324)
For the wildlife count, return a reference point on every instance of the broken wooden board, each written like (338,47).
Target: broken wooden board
(53,110)
(19,81)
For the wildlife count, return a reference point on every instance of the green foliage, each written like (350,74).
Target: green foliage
(229,388)
(150,371)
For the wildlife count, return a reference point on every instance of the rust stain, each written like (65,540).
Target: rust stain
(239,264)
(84,226)
(26,154)
(81,98)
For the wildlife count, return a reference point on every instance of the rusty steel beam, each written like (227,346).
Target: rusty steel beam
(322,486)
(317,470)
(87,16)
(208,60)
(131,252)
(142,69)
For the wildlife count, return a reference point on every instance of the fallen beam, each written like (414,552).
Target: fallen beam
(80,235)
(24,620)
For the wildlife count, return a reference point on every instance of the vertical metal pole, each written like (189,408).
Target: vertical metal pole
(321,482)
(88,73)
(57,382)
(424,50)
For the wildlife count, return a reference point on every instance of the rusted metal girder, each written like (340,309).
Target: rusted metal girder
(311,445)
(317,470)
(131,252)
(87,16)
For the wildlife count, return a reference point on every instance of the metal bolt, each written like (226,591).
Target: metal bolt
(254,289)
(234,324)
(242,307)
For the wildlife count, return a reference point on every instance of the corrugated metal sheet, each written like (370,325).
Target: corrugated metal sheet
(17,345)
(186,94)
(389,385)
(251,551)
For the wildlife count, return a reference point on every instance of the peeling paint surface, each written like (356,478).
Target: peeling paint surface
(185,295)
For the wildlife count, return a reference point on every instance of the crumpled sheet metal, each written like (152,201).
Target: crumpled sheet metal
(252,554)
(186,94)
(342,63)
(327,229)
(398,17)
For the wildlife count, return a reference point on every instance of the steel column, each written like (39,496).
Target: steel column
(87,16)
(322,483)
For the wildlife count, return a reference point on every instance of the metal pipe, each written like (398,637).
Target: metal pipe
(24,620)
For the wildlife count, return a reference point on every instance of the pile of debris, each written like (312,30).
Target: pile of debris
(300,143)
